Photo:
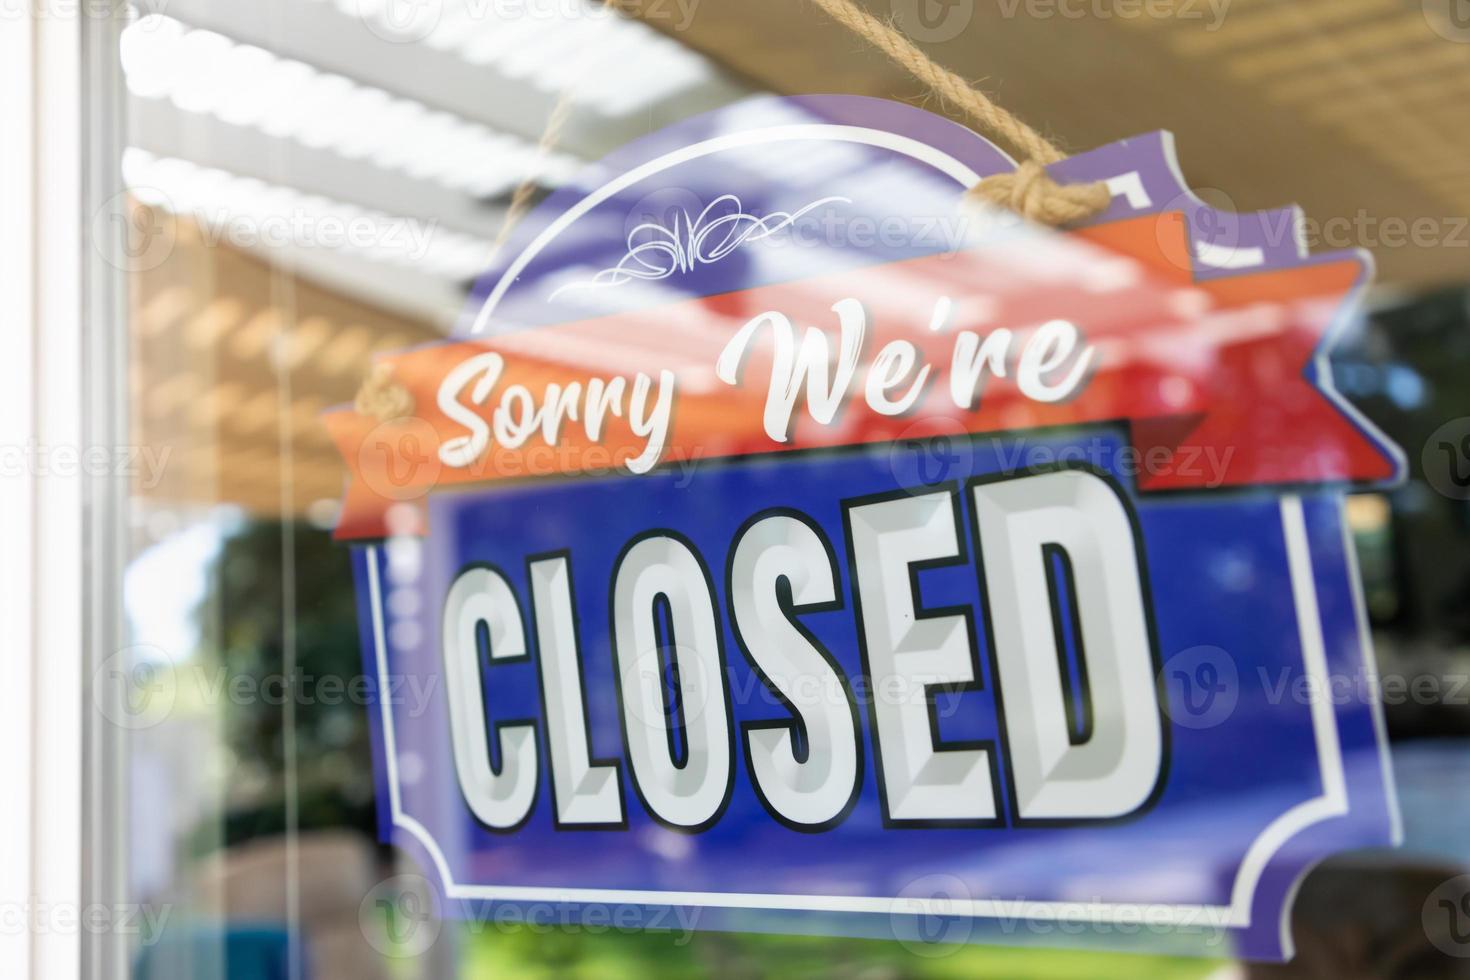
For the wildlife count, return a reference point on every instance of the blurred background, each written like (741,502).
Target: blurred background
(260,134)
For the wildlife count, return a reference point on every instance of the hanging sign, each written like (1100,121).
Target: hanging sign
(799,547)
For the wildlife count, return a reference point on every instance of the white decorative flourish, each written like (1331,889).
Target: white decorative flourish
(691,242)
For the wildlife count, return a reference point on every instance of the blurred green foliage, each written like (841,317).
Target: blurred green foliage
(554,955)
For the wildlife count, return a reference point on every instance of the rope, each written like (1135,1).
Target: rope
(380,397)
(1029,191)
(561,112)
(520,201)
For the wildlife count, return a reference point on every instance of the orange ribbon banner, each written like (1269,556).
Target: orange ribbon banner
(1218,381)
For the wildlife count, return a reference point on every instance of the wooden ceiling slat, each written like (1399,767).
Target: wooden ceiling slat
(1293,21)
(1429,58)
(1331,48)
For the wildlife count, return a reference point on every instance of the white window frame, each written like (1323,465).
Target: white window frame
(60,385)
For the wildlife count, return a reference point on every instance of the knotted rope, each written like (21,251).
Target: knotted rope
(1029,191)
(381,398)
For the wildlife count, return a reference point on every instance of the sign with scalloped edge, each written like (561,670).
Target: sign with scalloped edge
(790,545)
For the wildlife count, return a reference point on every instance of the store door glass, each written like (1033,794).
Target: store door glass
(316,183)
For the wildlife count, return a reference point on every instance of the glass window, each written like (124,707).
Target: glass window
(313,184)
